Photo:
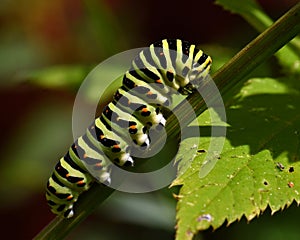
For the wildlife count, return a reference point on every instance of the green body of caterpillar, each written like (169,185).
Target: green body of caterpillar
(165,68)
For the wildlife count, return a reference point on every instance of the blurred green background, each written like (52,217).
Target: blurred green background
(46,50)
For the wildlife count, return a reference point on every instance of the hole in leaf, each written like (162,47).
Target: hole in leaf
(201,151)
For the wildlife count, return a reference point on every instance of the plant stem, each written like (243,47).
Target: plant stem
(232,73)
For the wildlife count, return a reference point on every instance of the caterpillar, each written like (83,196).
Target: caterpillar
(167,67)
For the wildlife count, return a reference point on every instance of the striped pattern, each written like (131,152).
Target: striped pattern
(165,68)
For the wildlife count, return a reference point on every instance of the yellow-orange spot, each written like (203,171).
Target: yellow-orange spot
(69,197)
(116,146)
(132,127)
(161,53)
(98,164)
(85,156)
(144,110)
(149,93)
(159,81)
(68,175)
(80,182)
(128,102)
(102,136)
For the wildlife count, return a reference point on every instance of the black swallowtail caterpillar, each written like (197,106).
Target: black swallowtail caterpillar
(165,68)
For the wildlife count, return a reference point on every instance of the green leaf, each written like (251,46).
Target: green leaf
(60,76)
(258,167)
(71,77)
